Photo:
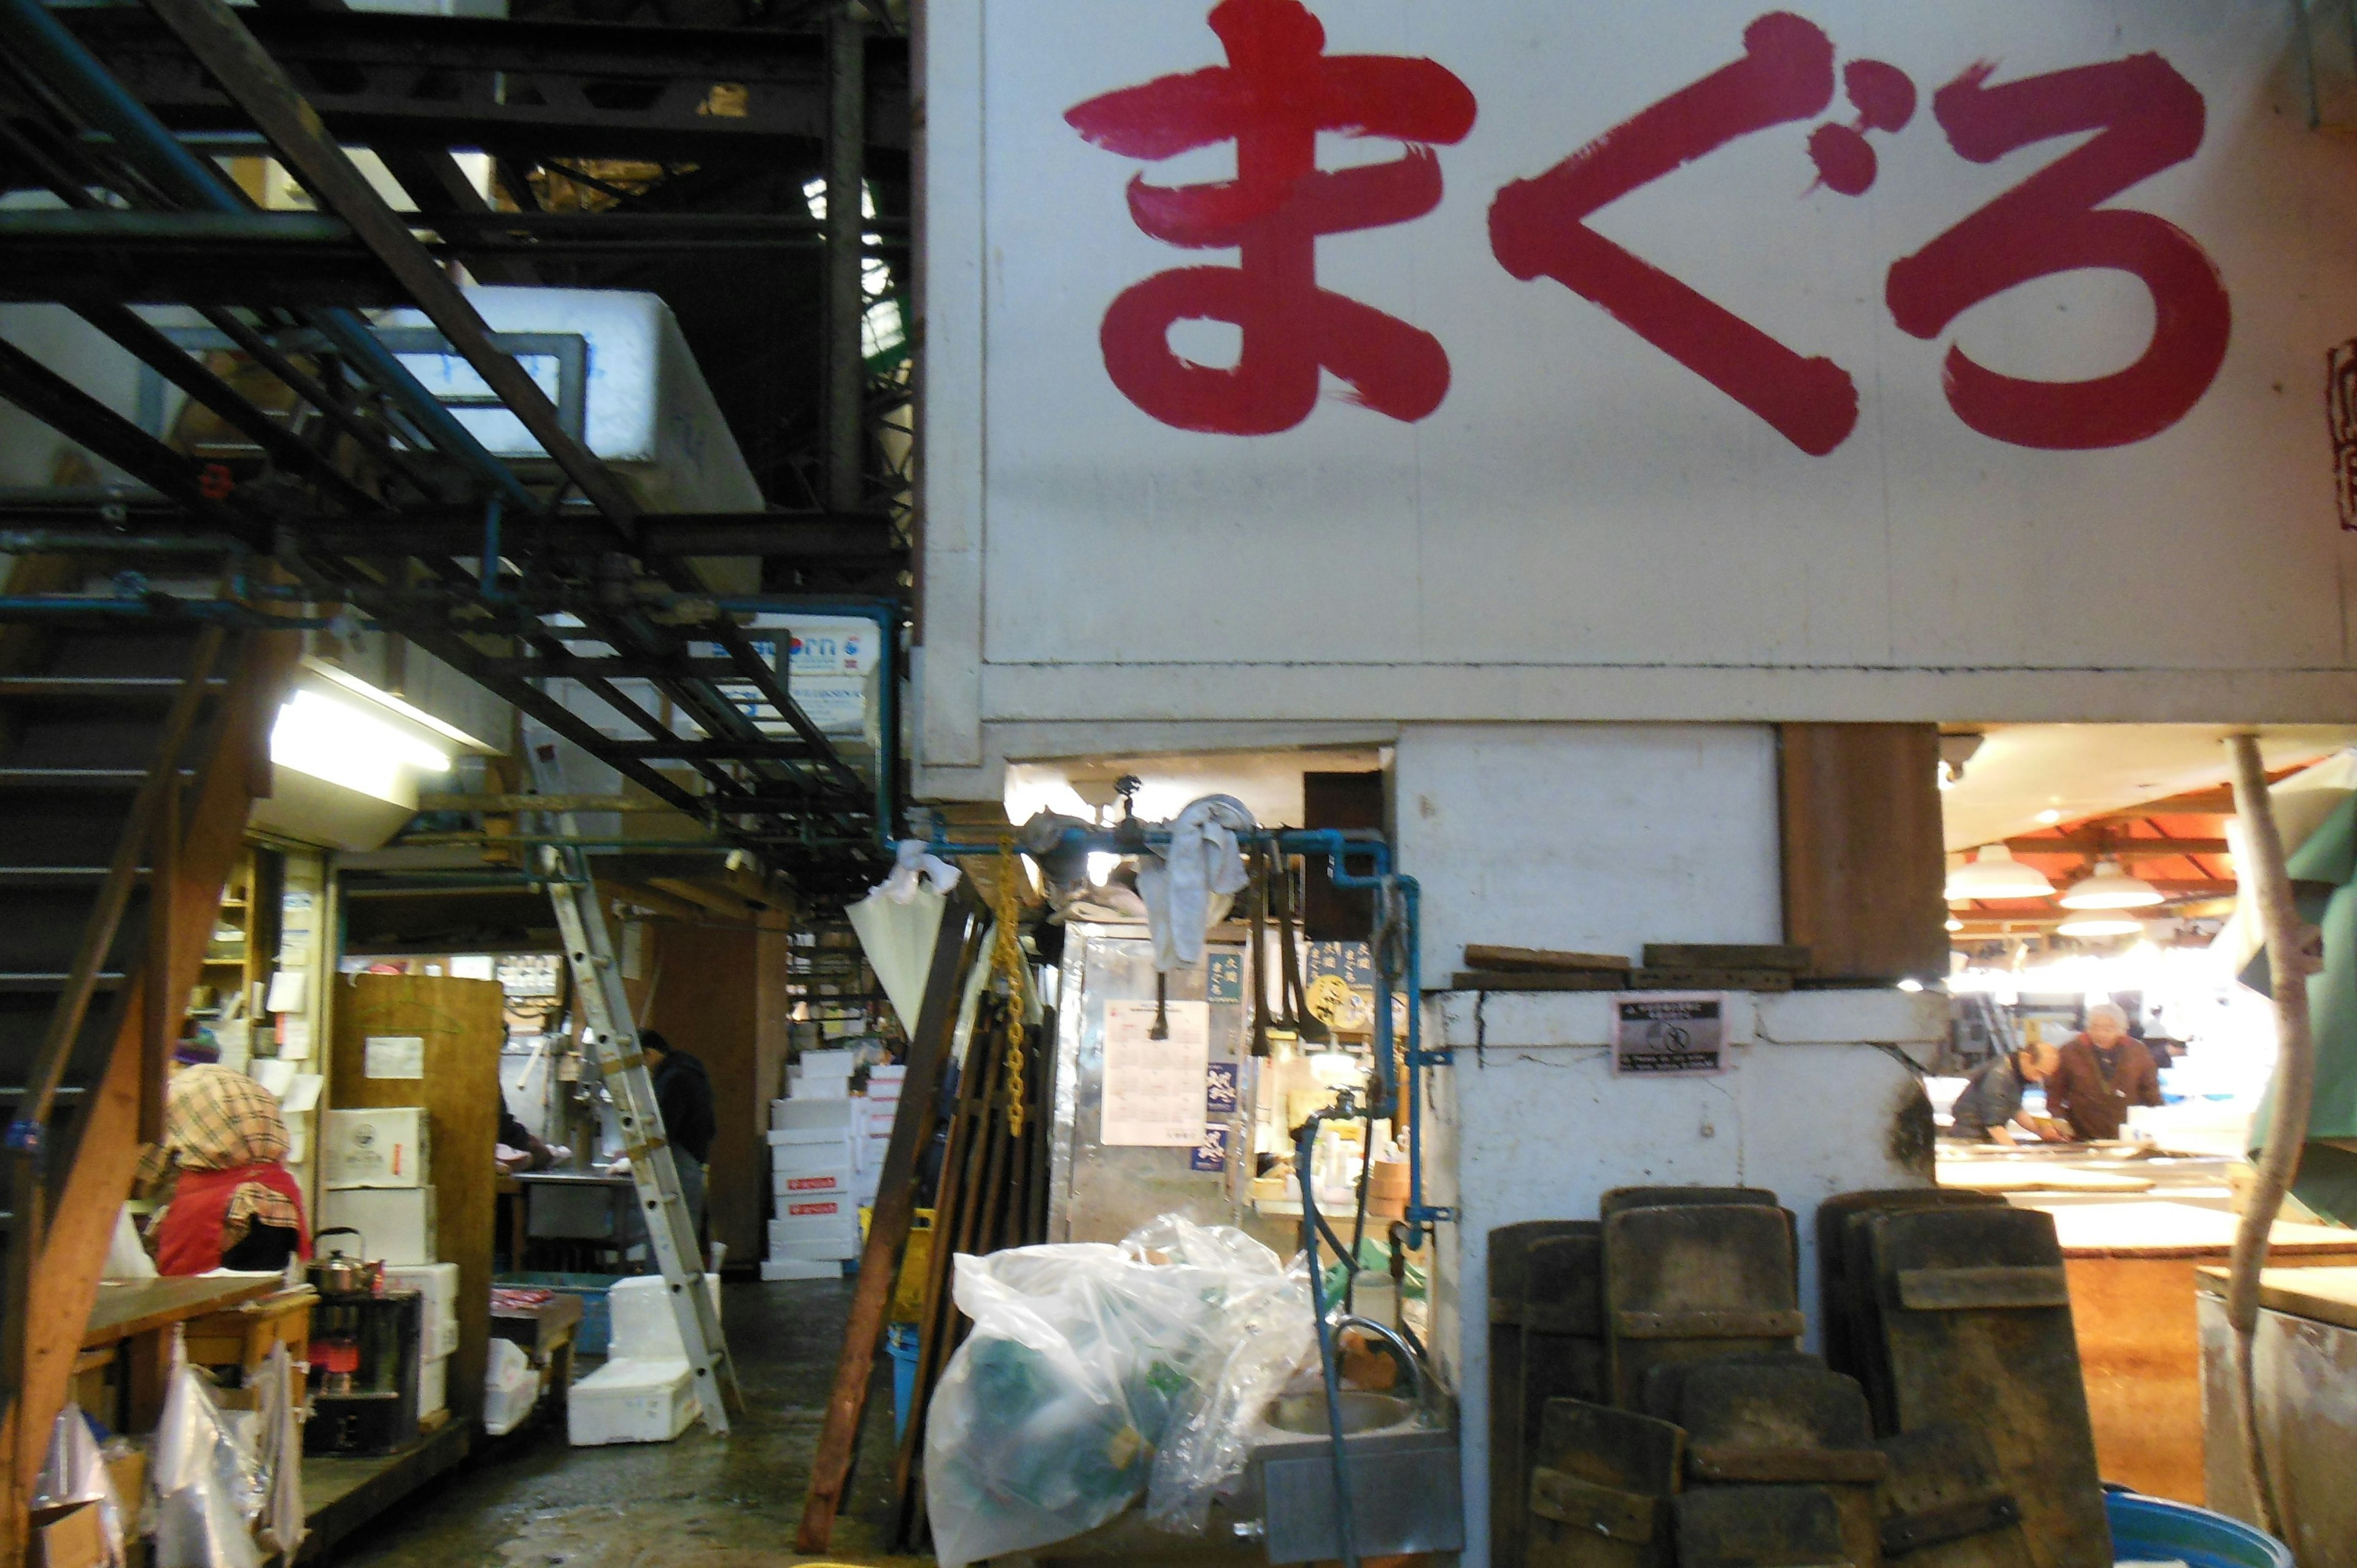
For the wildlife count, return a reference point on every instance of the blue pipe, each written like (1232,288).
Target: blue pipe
(1304,1144)
(76,75)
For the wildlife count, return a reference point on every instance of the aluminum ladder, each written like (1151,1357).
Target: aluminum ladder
(614,1048)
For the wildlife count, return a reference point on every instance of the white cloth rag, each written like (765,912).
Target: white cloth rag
(1201,863)
(910,862)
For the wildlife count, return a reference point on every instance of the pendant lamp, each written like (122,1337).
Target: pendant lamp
(2109,887)
(1994,874)
(2100,924)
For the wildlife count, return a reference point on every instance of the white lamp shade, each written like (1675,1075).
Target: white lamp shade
(2100,924)
(1994,874)
(2109,887)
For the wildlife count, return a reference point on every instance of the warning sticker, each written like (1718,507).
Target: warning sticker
(1663,1033)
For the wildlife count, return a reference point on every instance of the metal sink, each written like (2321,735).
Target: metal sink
(1362,1412)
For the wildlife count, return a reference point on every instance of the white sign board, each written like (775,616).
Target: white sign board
(1879,358)
(1153,1088)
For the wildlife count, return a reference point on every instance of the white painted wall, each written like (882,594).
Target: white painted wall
(1584,528)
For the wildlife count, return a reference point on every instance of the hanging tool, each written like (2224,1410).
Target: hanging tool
(1012,976)
(1305,1026)
(613,1040)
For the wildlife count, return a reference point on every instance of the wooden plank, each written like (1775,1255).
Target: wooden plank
(1864,858)
(2162,1230)
(887,1229)
(124,1310)
(2324,1294)
(463,1024)
(341,1495)
(1543,961)
(1727,955)
(1516,980)
(236,769)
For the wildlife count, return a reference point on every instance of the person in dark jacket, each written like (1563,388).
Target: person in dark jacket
(1989,1109)
(2100,1075)
(683,1095)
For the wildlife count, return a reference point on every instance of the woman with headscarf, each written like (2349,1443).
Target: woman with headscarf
(235,1205)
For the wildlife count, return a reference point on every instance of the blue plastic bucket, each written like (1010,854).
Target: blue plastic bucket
(900,1343)
(2149,1529)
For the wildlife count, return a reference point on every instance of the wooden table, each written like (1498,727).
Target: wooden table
(131,1315)
(2132,1267)
(244,1335)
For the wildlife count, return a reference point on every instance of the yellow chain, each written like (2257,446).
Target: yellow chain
(1007,959)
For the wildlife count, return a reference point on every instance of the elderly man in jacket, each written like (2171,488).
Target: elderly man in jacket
(2100,1074)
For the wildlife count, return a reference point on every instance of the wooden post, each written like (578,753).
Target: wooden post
(896,1202)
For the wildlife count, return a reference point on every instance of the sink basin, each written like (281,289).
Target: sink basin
(1362,1412)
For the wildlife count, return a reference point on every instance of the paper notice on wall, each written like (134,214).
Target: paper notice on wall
(287,990)
(293,1037)
(1153,1088)
(472,966)
(301,1094)
(393,1056)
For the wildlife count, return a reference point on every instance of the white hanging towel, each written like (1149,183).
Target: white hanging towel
(1195,880)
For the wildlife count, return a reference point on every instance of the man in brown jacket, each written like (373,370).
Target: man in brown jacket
(2101,1074)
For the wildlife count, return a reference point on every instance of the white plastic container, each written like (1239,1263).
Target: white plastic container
(816,1151)
(839,1248)
(812,1115)
(644,1327)
(628,1401)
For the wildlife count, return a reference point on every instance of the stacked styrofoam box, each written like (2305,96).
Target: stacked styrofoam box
(817,1224)
(873,1128)
(820,1075)
(378,1183)
(438,1334)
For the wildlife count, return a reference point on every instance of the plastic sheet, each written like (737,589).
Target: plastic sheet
(75,1472)
(1052,1416)
(209,1485)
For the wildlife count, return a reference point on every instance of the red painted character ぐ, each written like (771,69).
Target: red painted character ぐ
(1278,91)
(2147,117)
(1539,227)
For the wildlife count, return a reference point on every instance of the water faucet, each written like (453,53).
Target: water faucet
(1401,1352)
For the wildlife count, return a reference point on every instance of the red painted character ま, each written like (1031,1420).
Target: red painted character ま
(1278,90)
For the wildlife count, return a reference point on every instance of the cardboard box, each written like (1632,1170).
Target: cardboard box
(776,1269)
(68,1537)
(395,1224)
(377,1147)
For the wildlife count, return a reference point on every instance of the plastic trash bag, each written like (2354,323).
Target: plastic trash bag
(1050,1418)
(75,1472)
(280,1444)
(209,1485)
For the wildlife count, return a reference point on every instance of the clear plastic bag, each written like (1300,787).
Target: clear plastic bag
(75,1472)
(1052,1417)
(209,1485)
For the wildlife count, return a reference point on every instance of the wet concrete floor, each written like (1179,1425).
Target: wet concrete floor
(532,1502)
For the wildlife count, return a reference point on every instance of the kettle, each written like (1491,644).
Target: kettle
(338,1273)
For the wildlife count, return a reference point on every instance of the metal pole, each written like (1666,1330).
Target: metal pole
(847,298)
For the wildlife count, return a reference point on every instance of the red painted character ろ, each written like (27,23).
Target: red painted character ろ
(1278,91)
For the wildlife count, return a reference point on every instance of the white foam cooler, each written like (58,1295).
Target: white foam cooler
(645,1328)
(776,1269)
(628,1401)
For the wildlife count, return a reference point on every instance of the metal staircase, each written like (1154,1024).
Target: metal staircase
(128,760)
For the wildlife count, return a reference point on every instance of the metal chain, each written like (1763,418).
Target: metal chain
(1006,962)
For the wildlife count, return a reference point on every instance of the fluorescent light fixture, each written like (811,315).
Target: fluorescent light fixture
(344,744)
(2109,887)
(1994,874)
(459,739)
(2100,924)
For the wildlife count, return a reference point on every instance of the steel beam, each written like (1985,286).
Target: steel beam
(216,37)
(587,89)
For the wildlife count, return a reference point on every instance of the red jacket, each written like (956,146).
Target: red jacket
(190,1242)
(2096,1110)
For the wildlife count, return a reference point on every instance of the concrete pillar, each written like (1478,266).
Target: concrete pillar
(1602,838)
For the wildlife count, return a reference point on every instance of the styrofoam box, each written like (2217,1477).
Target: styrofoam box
(782,1231)
(825,1063)
(382,1147)
(887,1072)
(647,407)
(628,1401)
(809,1115)
(437,1338)
(775,1269)
(395,1224)
(832,1182)
(820,1090)
(807,1149)
(867,1152)
(831,1208)
(838,1250)
(438,1282)
(644,1329)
